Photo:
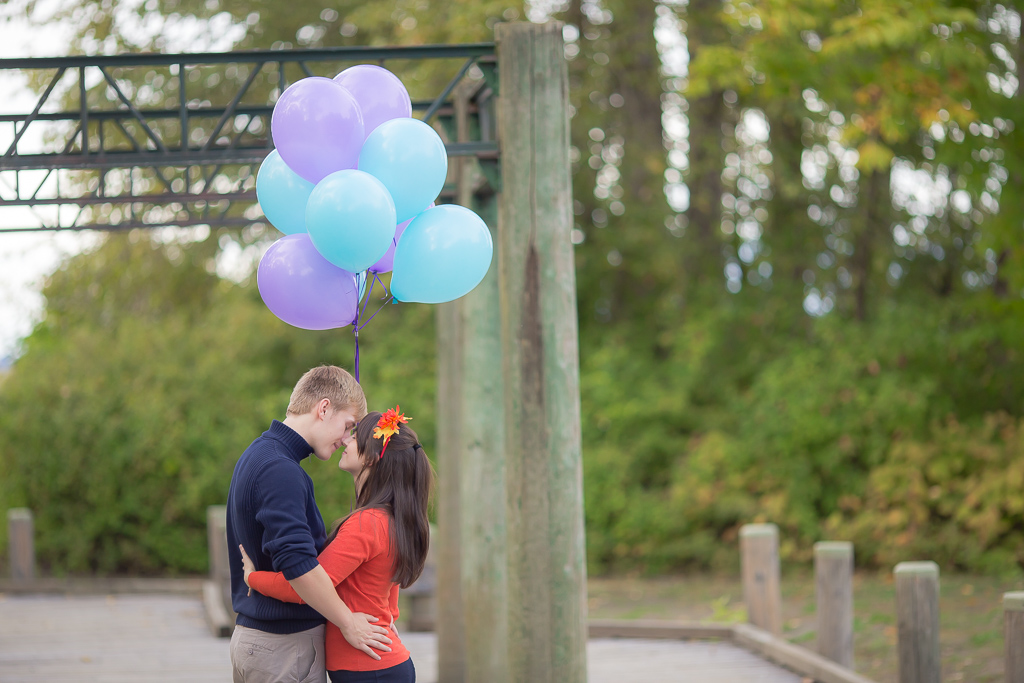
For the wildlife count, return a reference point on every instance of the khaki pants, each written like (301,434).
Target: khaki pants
(258,657)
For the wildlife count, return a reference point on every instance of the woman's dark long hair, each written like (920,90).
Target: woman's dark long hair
(400,483)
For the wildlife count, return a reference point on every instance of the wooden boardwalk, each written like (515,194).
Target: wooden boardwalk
(150,638)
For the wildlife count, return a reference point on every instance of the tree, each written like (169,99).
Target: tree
(619,161)
(712,121)
(890,82)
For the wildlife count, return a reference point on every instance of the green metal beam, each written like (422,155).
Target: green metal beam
(193,157)
(110,149)
(330,54)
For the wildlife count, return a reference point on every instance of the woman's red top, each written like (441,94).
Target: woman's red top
(360,563)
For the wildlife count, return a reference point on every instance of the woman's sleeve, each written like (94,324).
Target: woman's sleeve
(393,602)
(360,539)
(274,585)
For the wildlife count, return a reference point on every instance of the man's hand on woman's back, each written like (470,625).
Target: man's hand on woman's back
(318,591)
(363,634)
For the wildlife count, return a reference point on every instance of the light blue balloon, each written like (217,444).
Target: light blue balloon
(443,254)
(408,156)
(351,219)
(282,194)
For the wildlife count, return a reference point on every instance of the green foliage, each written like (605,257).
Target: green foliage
(954,496)
(857,89)
(814,433)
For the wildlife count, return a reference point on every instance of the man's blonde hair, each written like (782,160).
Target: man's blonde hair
(330,382)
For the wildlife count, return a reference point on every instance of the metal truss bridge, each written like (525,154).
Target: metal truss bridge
(152,140)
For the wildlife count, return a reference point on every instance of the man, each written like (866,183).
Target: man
(272,513)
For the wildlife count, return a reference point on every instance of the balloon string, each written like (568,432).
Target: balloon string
(369,293)
(386,302)
(357,351)
(360,311)
(376,279)
(356,327)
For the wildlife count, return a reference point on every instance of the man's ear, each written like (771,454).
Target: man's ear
(323,408)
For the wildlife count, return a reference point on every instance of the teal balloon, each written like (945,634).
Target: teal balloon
(282,194)
(409,157)
(443,254)
(351,219)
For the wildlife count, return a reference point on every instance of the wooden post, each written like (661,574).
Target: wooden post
(217,543)
(833,572)
(762,593)
(484,557)
(1013,608)
(421,613)
(451,650)
(473,613)
(917,622)
(217,546)
(483,485)
(21,544)
(547,633)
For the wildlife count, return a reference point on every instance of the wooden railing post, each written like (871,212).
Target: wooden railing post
(21,544)
(833,576)
(422,612)
(762,593)
(1013,608)
(217,545)
(917,622)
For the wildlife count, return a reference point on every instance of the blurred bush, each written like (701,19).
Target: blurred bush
(892,434)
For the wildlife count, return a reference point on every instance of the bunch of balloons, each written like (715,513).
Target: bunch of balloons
(352,183)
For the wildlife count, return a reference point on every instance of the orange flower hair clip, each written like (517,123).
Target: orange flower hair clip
(387,426)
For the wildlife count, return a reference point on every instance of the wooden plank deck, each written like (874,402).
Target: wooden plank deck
(164,638)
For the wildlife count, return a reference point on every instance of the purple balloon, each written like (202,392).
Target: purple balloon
(380,94)
(387,261)
(317,128)
(304,289)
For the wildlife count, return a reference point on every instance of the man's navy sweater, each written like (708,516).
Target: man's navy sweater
(272,514)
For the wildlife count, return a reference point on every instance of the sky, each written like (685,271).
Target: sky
(25,259)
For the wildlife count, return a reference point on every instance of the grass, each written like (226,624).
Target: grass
(970,615)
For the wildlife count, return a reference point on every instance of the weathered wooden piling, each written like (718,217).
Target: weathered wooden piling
(833,576)
(1013,631)
(547,629)
(217,546)
(917,622)
(220,614)
(762,592)
(471,585)
(21,544)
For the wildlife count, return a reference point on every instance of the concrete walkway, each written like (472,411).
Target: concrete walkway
(149,638)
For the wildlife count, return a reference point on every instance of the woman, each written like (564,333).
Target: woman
(380,546)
